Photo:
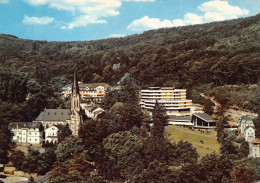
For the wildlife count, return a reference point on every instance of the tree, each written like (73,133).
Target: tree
(63,132)
(159,120)
(67,148)
(128,93)
(186,153)
(208,107)
(6,143)
(18,159)
(122,150)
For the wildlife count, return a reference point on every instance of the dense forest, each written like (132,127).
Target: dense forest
(197,57)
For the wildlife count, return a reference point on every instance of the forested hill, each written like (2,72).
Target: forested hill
(225,52)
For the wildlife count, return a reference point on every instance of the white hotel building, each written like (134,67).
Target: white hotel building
(173,100)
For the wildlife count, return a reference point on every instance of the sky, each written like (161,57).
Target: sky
(84,20)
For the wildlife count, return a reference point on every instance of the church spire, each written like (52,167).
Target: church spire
(75,95)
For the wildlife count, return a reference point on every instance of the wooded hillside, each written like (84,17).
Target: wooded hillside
(211,54)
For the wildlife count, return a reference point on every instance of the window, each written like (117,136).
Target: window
(35,139)
(29,139)
(35,133)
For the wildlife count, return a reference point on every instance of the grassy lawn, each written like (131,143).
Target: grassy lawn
(210,145)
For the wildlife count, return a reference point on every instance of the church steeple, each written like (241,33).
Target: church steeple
(76,117)
(75,95)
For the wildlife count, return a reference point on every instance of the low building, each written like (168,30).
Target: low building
(203,120)
(173,100)
(27,132)
(249,134)
(254,148)
(245,122)
(180,120)
(51,134)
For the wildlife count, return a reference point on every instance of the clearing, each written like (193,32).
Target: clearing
(205,143)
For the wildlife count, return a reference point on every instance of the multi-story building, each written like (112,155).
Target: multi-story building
(51,134)
(90,92)
(173,100)
(27,132)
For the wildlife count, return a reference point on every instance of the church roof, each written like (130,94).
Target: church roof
(54,115)
(25,125)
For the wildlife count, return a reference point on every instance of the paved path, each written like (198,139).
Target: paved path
(43,179)
(180,129)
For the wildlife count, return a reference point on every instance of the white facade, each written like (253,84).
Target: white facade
(24,132)
(173,100)
(254,148)
(51,134)
(245,122)
(249,134)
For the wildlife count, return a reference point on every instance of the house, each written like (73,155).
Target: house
(180,120)
(245,122)
(249,134)
(93,112)
(90,92)
(173,100)
(27,132)
(203,120)
(51,134)
(254,148)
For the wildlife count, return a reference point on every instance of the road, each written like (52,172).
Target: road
(43,179)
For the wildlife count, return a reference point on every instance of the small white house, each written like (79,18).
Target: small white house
(249,134)
(245,122)
(27,132)
(254,148)
(51,134)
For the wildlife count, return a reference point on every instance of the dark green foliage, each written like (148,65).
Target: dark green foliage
(63,132)
(208,107)
(18,159)
(186,153)
(67,148)
(5,143)
(159,120)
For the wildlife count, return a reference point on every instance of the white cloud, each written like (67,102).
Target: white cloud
(147,23)
(215,10)
(37,20)
(116,35)
(4,1)
(83,21)
(85,11)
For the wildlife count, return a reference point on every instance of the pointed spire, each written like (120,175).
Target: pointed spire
(75,95)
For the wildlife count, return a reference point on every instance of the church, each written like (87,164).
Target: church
(72,116)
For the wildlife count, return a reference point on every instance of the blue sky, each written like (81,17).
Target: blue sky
(74,20)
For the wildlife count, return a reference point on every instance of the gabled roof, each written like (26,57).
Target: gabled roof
(247,120)
(54,115)
(25,125)
(204,116)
